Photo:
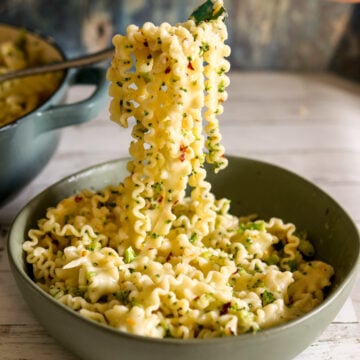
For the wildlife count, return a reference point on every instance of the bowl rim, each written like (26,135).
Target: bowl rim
(49,40)
(268,332)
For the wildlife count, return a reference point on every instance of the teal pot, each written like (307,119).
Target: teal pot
(253,187)
(27,143)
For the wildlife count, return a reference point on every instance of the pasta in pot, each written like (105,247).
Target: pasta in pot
(20,96)
(143,256)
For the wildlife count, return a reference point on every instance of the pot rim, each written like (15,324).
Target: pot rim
(49,40)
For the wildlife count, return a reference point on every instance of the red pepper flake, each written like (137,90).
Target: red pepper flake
(83,253)
(169,256)
(78,198)
(160,199)
(183,149)
(190,66)
(167,70)
(146,44)
(225,309)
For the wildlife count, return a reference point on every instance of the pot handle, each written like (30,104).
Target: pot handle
(70,114)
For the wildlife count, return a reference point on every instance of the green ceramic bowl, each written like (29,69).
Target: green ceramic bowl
(252,186)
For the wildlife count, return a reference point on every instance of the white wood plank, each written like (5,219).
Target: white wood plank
(337,342)
(31,341)
(20,342)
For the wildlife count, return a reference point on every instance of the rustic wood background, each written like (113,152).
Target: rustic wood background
(309,35)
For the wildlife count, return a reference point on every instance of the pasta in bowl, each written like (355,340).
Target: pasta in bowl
(253,187)
(243,276)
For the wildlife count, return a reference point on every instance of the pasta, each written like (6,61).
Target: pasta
(20,96)
(147,257)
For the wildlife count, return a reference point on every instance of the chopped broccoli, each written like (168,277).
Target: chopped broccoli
(129,255)
(267,298)
(306,248)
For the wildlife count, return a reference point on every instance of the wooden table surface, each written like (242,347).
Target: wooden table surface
(308,123)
